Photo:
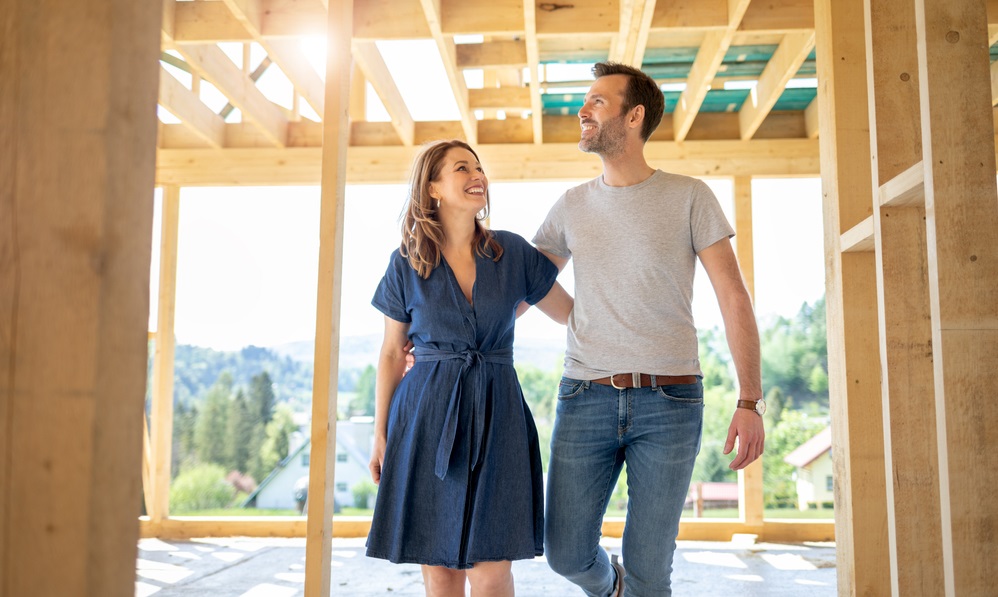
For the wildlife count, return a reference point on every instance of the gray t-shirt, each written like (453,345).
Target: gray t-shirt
(634,254)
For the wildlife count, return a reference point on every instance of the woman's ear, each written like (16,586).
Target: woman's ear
(433,192)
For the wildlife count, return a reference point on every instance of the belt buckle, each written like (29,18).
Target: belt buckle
(635,381)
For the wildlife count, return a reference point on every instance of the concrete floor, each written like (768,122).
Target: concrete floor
(248,567)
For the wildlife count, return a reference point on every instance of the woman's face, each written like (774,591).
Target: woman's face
(461,184)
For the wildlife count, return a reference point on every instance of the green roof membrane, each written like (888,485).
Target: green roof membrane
(717,100)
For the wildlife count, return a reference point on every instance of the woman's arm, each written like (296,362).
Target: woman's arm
(556,304)
(391,367)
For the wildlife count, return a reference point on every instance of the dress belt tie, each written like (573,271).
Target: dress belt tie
(473,364)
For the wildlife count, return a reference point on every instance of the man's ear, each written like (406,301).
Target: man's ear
(637,115)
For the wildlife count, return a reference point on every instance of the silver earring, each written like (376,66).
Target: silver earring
(438,204)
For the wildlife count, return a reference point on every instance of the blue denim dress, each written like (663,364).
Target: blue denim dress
(461,480)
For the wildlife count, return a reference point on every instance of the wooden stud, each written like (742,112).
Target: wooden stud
(188,107)
(961,205)
(782,67)
(850,282)
(318,546)
(372,65)
(77,162)
(433,14)
(161,434)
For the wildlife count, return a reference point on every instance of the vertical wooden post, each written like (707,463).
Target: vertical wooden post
(750,498)
(77,160)
(961,205)
(318,549)
(161,434)
(850,282)
(903,304)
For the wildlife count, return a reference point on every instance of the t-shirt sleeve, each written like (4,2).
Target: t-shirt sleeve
(389,298)
(550,236)
(708,224)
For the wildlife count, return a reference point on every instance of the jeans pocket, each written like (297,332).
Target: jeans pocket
(691,393)
(570,388)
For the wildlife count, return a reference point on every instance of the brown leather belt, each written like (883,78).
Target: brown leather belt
(643,380)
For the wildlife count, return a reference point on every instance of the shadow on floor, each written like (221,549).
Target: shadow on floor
(250,567)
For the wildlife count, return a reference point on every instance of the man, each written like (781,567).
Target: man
(632,390)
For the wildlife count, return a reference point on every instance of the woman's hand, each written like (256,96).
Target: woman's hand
(377,458)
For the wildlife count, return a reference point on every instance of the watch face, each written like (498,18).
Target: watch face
(760,406)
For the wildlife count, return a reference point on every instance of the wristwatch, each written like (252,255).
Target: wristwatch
(759,406)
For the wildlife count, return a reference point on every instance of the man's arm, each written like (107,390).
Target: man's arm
(743,341)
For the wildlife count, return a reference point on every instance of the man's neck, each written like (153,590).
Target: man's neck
(626,169)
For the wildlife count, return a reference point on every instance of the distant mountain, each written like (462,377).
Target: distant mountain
(357,352)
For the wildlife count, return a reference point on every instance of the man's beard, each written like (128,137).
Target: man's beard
(608,140)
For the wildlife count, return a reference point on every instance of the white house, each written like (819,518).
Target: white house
(354,439)
(813,460)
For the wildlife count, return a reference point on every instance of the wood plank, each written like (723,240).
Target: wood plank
(208,21)
(322,464)
(161,435)
(501,98)
(552,161)
(372,65)
(492,54)
(709,57)
(534,71)
(779,16)
(811,124)
(907,189)
(408,20)
(290,58)
(960,201)
(459,17)
(579,17)
(77,165)
(628,47)
(851,297)
(188,107)
(448,56)
(211,63)
(859,238)
(781,68)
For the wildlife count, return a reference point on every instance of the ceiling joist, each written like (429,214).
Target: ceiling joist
(782,67)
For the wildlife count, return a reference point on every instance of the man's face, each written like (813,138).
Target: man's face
(602,117)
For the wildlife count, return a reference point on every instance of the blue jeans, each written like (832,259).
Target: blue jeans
(597,428)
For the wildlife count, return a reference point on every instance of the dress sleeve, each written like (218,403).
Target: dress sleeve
(389,298)
(539,272)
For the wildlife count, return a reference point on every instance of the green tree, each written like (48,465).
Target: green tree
(712,464)
(212,422)
(362,491)
(276,442)
(261,398)
(794,428)
(363,402)
(201,487)
(184,421)
(239,434)
(540,390)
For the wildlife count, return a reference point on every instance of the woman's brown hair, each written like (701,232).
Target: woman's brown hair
(422,233)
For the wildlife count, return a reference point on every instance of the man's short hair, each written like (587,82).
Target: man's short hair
(641,90)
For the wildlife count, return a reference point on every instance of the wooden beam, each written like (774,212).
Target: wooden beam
(534,70)
(784,64)
(913,517)
(214,21)
(322,464)
(211,63)
(77,162)
(408,21)
(551,161)
(375,71)
(750,493)
(811,124)
(851,298)
(188,107)
(358,95)
(502,17)
(709,57)
(961,219)
(448,55)
(493,54)
(161,434)
(628,47)
(579,17)
(290,58)
(500,98)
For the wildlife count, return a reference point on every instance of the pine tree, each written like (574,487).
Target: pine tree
(261,397)
(363,402)
(239,434)
(212,423)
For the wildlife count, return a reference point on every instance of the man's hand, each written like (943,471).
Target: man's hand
(410,359)
(747,427)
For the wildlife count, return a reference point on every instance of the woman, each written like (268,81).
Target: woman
(455,450)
